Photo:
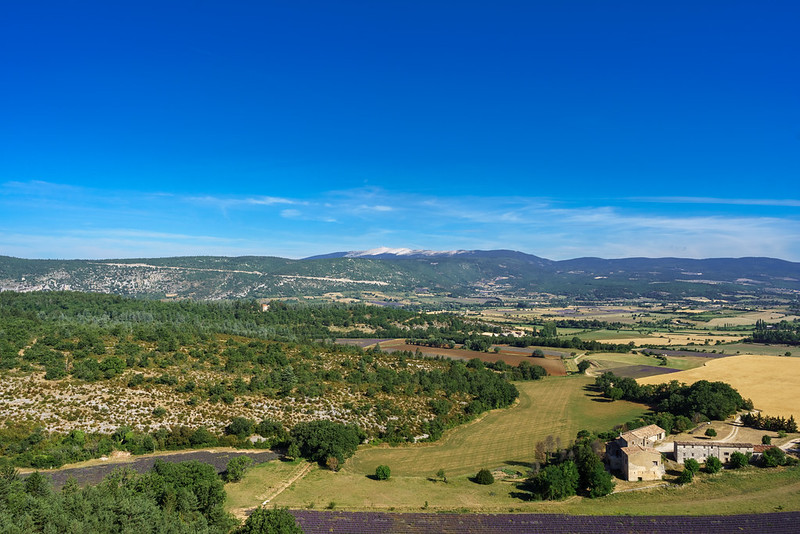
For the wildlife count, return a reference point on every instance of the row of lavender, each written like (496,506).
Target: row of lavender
(314,522)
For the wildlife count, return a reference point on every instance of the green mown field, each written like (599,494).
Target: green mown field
(557,406)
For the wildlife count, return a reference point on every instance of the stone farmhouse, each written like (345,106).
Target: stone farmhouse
(632,454)
(700,450)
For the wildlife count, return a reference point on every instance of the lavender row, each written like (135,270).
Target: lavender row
(314,522)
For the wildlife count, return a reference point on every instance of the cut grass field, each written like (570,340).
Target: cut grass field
(770,381)
(611,360)
(554,406)
(756,348)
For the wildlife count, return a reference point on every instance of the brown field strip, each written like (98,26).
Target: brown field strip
(553,365)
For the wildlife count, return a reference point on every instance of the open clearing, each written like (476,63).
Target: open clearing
(553,406)
(771,381)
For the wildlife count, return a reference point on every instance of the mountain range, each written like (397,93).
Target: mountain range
(459,273)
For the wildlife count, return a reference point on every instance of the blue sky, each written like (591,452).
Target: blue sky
(561,129)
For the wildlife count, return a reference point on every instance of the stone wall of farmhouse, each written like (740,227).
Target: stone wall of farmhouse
(700,451)
(644,466)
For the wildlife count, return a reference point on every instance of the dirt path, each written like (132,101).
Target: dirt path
(272,492)
(736,424)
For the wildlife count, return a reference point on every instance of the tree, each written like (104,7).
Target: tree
(557,482)
(615,394)
(710,432)
(738,460)
(713,465)
(538,353)
(38,485)
(691,465)
(237,467)
(773,457)
(766,440)
(293,451)
(601,483)
(484,477)
(265,521)
(382,472)
(319,440)
(240,427)
(583,365)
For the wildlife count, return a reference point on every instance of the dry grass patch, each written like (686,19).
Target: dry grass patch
(771,381)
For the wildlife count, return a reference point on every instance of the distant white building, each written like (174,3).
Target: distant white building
(701,450)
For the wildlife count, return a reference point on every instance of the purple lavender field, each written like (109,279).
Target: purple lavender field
(314,522)
(640,371)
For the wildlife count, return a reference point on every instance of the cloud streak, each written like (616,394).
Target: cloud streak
(101,224)
(791,203)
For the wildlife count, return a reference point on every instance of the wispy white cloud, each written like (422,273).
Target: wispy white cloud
(225,203)
(792,203)
(93,223)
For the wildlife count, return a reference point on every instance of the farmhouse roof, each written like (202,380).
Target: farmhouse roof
(645,432)
(761,448)
(631,449)
(715,444)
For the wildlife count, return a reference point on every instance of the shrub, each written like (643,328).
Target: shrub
(710,432)
(484,477)
(159,411)
(382,472)
(766,440)
(685,477)
(265,521)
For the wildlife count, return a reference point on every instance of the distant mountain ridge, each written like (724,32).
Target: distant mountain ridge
(460,273)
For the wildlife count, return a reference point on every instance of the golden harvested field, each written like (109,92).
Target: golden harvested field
(770,316)
(771,381)
(671,339)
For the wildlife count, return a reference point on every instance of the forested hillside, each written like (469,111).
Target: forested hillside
(83,374)
(483,274)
